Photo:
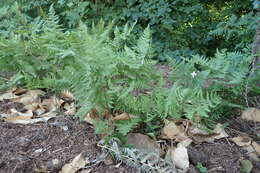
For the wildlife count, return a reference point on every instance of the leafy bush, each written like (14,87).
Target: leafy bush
(237,30)
(179,27)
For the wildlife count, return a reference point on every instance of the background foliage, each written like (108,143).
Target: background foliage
(179,27)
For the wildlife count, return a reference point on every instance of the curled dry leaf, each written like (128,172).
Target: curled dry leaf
(67,95)
(52,103)
(186,142)
(202,136)
(39,110)
(254,156)
(143,142)
(251,114)
(8,96)
(89,119)
(29,121)
(251,152)
(180,157)
(252,148)
(123,116)
(77,163)
(92,116)
(29,97)
(256,147)
(33,106)
(220,131)
(36,109)
(173,132)
(18,90)
(14,115)
(70,109)
(242,140)
(49,114)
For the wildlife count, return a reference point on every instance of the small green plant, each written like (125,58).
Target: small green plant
(201,168)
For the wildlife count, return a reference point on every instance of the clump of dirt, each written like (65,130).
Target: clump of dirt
(166,70)
(27,148)
(238,126)
(220,156)
(224,156)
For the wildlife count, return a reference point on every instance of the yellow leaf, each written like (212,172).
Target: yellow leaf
(242,140)
(123,116)
(77,163)
(251,114)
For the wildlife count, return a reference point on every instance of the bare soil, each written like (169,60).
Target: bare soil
(28,148)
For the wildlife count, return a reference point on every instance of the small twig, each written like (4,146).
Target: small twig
(217,169)
(58,150)
(15,168)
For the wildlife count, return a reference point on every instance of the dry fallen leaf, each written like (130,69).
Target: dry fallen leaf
(180,157)
(36,108)
(221,132)
(29,97)
(29,121)
(242,140)
(256,147)
(67,95)
(89,119)
(77,163)
(254,156)
(51,104)
(33,106)
(70,109)
(202,136)
(14,115)
(50,114)
(173,132)
(39,110)
(143,142)
(185,143)
(251,152)
(251,114)
(8,95)
(123,116)
(18,90)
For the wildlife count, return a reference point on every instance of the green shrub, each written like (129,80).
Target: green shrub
(179,27)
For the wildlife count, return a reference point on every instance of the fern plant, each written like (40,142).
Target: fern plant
(219,81)
(109,70)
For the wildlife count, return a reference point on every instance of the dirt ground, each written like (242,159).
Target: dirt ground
(28,148)
(31,148)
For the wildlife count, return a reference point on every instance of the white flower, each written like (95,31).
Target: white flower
(193,74)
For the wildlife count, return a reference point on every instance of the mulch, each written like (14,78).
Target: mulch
(31,148)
